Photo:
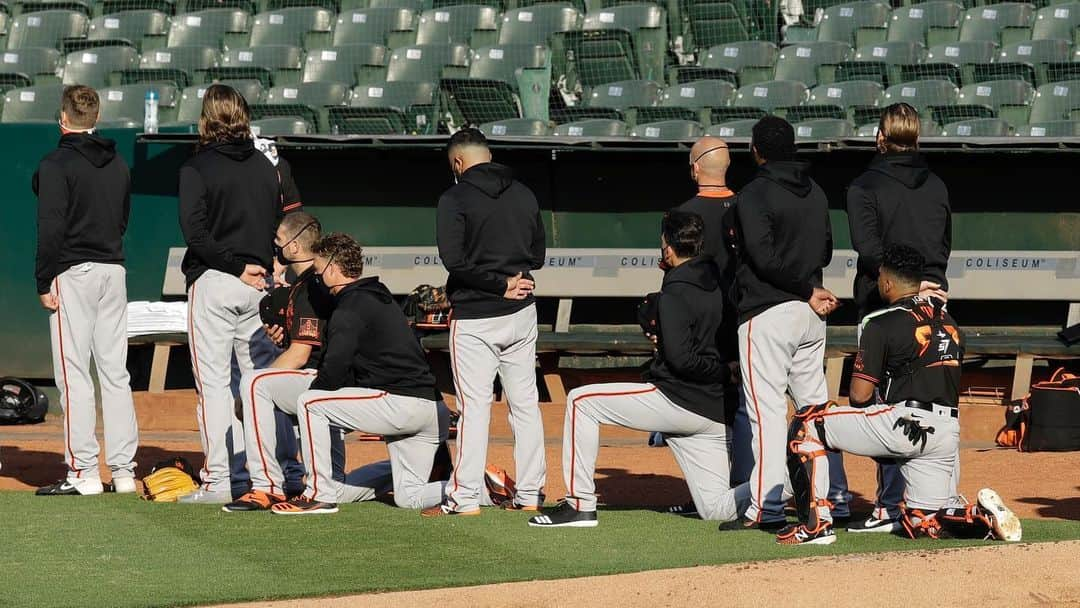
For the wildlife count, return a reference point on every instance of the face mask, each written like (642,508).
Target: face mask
(317,277)
(279,251)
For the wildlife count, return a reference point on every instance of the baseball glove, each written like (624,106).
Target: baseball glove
(169,480)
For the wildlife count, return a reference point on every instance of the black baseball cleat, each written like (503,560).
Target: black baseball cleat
(799,534)
(64,487)
(687,509)
(772,527)
(874,525)
(564,516)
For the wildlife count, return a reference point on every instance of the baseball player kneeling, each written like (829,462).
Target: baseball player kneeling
(909,355)
(683,396)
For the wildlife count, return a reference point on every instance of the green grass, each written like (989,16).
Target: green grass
(119,551)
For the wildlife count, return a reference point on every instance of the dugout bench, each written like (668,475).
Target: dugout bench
(631,273)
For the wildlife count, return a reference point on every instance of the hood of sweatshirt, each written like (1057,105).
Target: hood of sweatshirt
(238,149)
(98,150)
(792,175)
(370,285)
(908,168)
(699,272)
(490,178)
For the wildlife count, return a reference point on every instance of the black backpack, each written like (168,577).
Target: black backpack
(1048,419)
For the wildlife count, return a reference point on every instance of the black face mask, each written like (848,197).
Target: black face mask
(279,251)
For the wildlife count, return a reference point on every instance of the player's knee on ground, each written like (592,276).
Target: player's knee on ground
(959,520)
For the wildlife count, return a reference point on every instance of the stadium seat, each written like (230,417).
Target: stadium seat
(457,24)
(928,23)
(1059,22)
(352,64)
(596,127)
(32,104)
(45,29)
(647,24)
(426,62)
(1030,59)
(1009,99)
(841,22)
(189,59)
(923,94)
(21,67)
(867,130)
(1055,128)
(963,53)
(734,128)
(677,130)
(127,102)
(769,96)
(624,95)
(698,94)
(1056,101)
(878,62)
(282,61)
(375,26)
(536,24)
(811,62)
(132,26)
(389,107)
(190,105)
(207,27)
(476,101)
(714,22)
(413,5)
(94,66)
(751,60)
(979,127)
(598,57)
(847,95)
(823,128)
(282,125)
(314,94)
(516,127)
(399,95)
(292,26)
(501,62)
(999,23)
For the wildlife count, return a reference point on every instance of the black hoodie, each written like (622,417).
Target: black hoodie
(785,238)
(84,198)
(489,229)
(369,344)
(230,205)
(898,200)
(688,367)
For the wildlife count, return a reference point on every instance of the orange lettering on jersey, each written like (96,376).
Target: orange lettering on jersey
(922,336)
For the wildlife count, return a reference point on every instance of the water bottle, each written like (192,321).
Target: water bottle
(150,119)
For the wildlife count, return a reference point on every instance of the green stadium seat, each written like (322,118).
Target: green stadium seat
(277,57)
(824,128)
(314,94)
(189,59)
(676,130)
(847,95)
(1029,60)
(922,22)
(840,22)
(386,108)
(477,101)
(352,64)
(867,130)
(647,24)
(207,27)
(501,62)
(922,94)
(979,127)
(37,6)
(597,57)
(1056,101)
(1059,22)
(1054,128)
(879,61)
(698,94)
(32,104)
(595,127)
(277,5)
(963,53)
(624,94)
(94,67)
(413,5)
(292,26)
(714,22)
(282,125)
(457,24)
(733,128)
(127,102)
(771,95)
(536,24)
(1009,99)
(132,26)
(21,67)
(994,22)
(45,29)
(398,95)
(190,104)
(375,26)
(751,60)
(425,62)
(516,127)
(811,62)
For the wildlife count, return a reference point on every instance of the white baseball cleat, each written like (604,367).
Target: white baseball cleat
(1006,524)
(123,485)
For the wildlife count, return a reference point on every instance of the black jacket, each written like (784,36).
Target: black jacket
(489,229)
(369,344)
(230,205)
(688,367)
(898,200)
(785,238)
(84,198)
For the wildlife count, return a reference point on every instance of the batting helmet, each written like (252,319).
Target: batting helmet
(21,402)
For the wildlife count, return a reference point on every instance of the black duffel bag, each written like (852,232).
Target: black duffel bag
(1053,415)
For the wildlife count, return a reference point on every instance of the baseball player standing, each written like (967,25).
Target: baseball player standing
(84,198)
(785,241)
(230,204)
(490,237)
(905,389)
(897,200)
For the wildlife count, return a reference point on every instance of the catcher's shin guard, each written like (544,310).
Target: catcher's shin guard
(805,445)
(918,523)
(965,521)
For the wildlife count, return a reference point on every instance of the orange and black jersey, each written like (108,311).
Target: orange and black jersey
(306,315)
(912,351)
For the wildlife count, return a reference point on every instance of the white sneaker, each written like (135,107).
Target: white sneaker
(873,524)
(123,485)
(1006,523)
(207,497)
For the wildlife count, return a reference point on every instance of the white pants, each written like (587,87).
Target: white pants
(92,323)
